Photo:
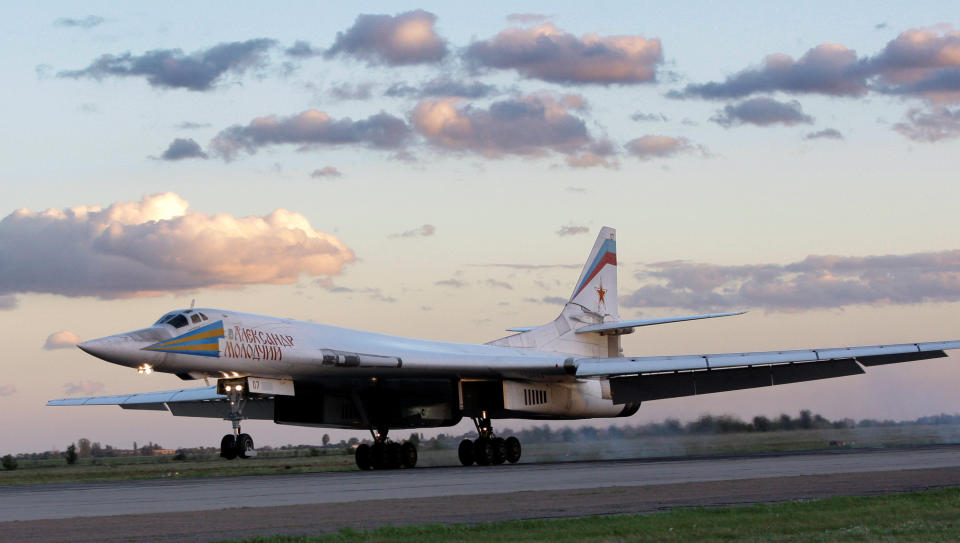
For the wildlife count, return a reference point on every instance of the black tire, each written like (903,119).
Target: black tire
(483,451)
(499,451)
(408,455)
(362,456)
(465,452)
(513,448)
(378,454)
(244,445)
(394,458)
(228,447)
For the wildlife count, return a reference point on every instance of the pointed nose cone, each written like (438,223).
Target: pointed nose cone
(117,349)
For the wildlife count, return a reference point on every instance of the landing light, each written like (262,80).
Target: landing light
(239,388)
(228,388)
(145,369)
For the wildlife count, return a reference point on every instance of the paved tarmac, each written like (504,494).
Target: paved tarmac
(60,501)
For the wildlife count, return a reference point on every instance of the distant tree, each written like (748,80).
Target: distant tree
(805,421)
(415,438)
(314,451)
(71,454)
(9,463)
(96,450)
(353,441)
(761,424)
(784,422)
(83,447)
(326,439)
(568,435)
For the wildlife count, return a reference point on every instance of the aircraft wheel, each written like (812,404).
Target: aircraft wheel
(483,451)
(362,457)
(228,447)
(499,451)
(394,452)
(408,455)
(513,449)
(244,446)
(465,452)
(378,455)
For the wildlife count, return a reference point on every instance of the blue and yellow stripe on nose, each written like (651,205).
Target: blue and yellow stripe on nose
(201,342)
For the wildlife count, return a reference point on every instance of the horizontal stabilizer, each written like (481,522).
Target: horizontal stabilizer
(627,325)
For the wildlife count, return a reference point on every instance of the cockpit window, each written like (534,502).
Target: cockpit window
(164,318)
(194,319)
(202,316)
(178,321)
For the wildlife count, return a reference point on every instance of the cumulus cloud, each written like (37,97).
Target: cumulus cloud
(308,129)
(182,148)
(571,230)
(923,63)
(936,124)
(531,125)
(158,245)
(172,69)
(817,282)
(83,387)
(7,390)
(826,133)
(89,21)
(326,171)
(419,232)
(8,302)
(64,339)
(301,48)
(442,86)
(651,147)
(549,54)
(646,117)
(761,111)
(407,38)
(349,91)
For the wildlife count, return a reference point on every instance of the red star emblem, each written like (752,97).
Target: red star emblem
(601,292)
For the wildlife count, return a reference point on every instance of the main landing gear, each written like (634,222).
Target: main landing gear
(236,444)
(385,454)
(487,449)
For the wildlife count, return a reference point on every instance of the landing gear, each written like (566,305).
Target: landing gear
(236,444)
(488,450)
(384,454)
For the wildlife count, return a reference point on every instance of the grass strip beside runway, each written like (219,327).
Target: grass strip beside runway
(931,515)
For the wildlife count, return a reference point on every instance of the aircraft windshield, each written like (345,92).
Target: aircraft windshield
(177,320)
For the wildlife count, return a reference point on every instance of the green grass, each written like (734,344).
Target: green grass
(112,469)
(932,515)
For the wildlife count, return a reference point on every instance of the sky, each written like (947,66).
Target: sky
(440,171)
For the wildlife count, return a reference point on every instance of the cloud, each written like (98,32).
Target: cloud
(188,125)
(158,245)
(326,283)
(549,54)
(572,230)
(308,129)
(552,300)
(442,86)
(349,91)
(817,282)
(922,63)
(326,171)
(420,232)
(530,267)
(497,284)
(8,302)
(301,49)
(645,117)
(455,283)
(404,39)
(172,69)
(826,133)
(82,387)
(531,125)
(64,339)
(654,146)
(182,148)
(89,21)
(761,111)
(7,390)
(936,124)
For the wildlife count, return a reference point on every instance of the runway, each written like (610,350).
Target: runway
(60,501)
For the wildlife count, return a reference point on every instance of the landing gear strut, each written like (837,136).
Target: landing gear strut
(488,449)
(385,454)
(236,444)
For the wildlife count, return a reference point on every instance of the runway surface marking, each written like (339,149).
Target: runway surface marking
(169,496)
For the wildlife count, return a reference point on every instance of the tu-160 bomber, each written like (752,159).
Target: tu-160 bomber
(308,374)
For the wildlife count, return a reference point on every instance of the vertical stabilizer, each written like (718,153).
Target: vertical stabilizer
(594,301)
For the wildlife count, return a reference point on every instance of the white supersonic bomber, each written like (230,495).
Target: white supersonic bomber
(308,374)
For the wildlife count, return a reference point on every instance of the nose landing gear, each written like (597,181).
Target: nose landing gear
(236,444)
(488,449)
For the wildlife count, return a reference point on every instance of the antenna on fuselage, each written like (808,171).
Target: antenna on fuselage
(193,302)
